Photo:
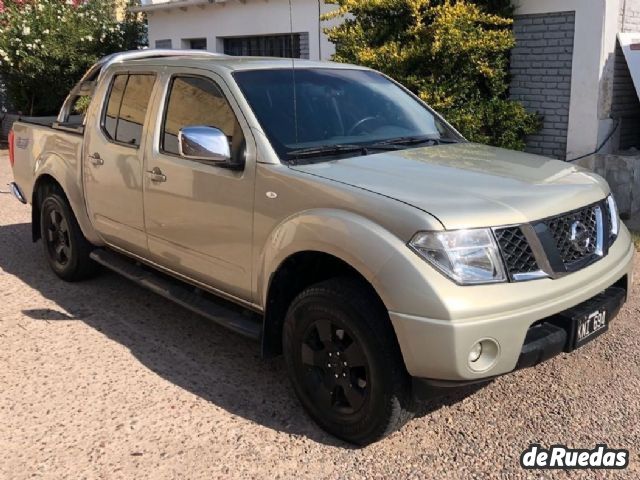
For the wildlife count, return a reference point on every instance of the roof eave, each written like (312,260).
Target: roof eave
(181,4)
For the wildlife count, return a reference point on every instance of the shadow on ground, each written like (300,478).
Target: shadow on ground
(183,348)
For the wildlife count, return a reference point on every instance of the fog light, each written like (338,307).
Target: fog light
(483,355)
(475,353)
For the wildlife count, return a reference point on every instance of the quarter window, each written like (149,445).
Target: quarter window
(127,107)
(199,101)
(113,106)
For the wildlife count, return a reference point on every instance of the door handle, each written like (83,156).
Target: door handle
(96,160)
(156,175)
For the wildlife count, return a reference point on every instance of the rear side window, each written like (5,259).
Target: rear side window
(127,107)
(198,101)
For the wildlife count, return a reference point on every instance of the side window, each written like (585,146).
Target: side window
(127,107)
(198,101)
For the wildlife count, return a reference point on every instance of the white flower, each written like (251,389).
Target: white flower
(45,31)
(26,31)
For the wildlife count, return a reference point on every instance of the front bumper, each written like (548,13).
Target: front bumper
(438,350)
(544,340)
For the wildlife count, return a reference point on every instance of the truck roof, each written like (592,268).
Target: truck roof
(200,58)
(232,63)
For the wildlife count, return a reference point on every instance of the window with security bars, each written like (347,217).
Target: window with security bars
(166,43)
(286,46)
(194,43)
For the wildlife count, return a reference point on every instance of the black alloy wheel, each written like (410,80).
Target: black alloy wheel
(344,361)
(335,368)
(57,237)
(65,247)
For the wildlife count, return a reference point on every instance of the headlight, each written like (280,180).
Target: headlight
(466,256)
(613,215)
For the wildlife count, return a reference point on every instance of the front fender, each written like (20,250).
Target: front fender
(364,245)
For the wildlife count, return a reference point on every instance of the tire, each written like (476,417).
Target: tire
(65,247)
(344,361)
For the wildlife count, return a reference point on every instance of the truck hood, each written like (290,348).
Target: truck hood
(469,185)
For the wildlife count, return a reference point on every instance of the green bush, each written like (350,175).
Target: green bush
(454,55)
(47,45)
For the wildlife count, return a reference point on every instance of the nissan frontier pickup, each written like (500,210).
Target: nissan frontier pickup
(327,212)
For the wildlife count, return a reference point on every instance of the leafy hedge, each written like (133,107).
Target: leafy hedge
(47,45)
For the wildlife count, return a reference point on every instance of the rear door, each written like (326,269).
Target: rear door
(199,215)
(113,159)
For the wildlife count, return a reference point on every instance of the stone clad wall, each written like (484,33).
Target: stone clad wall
(541,66)
(623,174)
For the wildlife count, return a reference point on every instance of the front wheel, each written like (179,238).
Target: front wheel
(344,361)
(65,247)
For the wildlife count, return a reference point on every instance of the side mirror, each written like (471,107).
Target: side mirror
(209,144)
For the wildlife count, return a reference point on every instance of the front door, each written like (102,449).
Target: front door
(198,214)
(113,160)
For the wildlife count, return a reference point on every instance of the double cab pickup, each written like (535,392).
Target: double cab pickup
(326,211)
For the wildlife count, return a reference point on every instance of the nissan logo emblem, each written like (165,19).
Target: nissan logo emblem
(580,238)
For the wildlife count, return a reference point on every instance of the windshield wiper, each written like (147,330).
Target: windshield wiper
(343,148)
(414,140)
(339,149)
(327,150)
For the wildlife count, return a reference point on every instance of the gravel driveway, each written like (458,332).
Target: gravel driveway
(105,380)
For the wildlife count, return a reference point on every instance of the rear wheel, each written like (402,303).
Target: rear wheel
(65,247)
(345,363)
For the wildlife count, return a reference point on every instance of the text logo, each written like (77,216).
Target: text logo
(562,457)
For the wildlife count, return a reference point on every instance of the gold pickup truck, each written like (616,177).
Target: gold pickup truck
(326,211)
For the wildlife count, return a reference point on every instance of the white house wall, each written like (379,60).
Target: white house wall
(234,19)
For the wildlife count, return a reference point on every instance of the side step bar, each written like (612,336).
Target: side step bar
(232,317)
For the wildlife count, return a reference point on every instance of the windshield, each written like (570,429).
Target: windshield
(338,112)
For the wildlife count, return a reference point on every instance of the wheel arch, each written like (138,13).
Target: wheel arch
(313,246)
(294,274)
(47,179)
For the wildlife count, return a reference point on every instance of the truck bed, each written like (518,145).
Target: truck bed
(74,125)
(44,147)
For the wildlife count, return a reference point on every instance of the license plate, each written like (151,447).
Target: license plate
(590,326)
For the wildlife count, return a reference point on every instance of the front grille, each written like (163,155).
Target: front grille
(517,253)
(575,234)
(561,244)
